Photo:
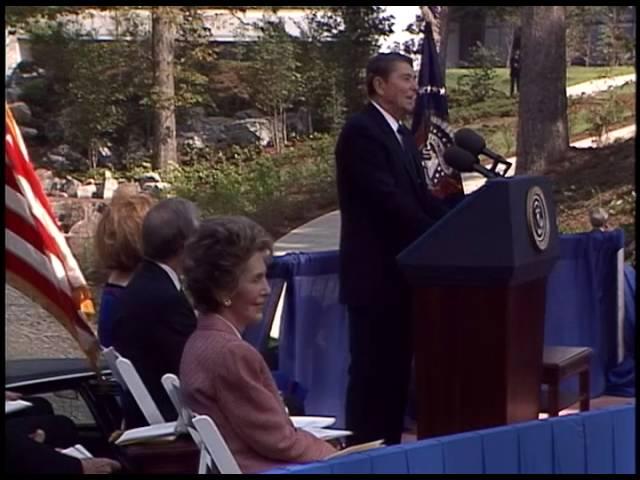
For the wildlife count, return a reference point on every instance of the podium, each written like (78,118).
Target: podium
(478,280)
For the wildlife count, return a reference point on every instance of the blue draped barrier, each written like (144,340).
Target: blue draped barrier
(621,380)
(582,301)
(314,335)
(581,310)
(601,441)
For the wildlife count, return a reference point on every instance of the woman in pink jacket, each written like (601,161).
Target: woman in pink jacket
(223,376)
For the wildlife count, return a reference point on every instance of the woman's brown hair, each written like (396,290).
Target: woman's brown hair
(119,232)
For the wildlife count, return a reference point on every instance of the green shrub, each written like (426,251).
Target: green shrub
(604,113)
(480,82)
(264,186)
(493,107)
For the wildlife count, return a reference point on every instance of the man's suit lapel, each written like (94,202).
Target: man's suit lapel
(391,138)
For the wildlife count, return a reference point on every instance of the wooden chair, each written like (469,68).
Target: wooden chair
(560,363)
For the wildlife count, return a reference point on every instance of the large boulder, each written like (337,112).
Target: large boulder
(56,162)
(87,226)
(77,161)
(21,112)
(213,130)
(151,182)
(28,133)
(187,118)
(71,186)
(12,94)
(246,114)
(63,157)
(110,185)
(148,177)
(156,188)
(191,140)
(87,191)
(54,130)
(69,211)
(248,132)
(47,179)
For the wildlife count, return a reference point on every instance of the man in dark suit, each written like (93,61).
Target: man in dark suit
(32,436)
(385,205)
(154,317)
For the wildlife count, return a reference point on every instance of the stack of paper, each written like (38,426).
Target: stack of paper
(152,433)
(311,422)
(328,433)
(357,448)
(317,426)
(77,451)
(11,406)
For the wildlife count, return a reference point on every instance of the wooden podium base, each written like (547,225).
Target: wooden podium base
(180,456)
(478,356)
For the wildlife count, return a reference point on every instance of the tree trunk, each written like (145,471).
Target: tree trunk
(276,128)
(164,115)
(510,38)
(283,116)
(589,46)
(93,154)
(614,35)
(543,136)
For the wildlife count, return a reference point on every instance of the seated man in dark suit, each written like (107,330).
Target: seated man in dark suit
(32,437)
(154,317)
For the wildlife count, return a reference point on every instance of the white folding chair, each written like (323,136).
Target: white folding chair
(133,383)
(111,356)
(215,445)
(171,384)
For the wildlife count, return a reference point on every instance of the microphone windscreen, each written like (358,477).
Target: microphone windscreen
(469,140)
(459,159)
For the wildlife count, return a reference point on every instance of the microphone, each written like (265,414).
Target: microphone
(463,161)
(475,144)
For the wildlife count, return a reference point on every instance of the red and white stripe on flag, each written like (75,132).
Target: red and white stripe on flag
(38,260)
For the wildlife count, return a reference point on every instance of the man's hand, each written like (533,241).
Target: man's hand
(100,465)
(37,436)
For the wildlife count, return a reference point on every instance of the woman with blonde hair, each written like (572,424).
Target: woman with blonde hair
(119,249)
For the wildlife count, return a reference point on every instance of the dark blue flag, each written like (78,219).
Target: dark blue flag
(429,127)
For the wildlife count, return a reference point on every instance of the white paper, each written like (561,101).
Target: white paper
(77,451)
(310,422)
(150,432)
(11,406)
(328,433)
(362,447)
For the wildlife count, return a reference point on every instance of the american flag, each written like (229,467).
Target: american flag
(38,260)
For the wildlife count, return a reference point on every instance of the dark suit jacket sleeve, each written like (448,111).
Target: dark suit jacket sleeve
(256,412)
(25,456)
(367,168)
(172,333)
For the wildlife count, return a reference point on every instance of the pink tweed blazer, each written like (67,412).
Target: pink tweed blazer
(224,377)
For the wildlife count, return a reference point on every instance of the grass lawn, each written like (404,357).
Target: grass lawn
(499,128)
(575,75)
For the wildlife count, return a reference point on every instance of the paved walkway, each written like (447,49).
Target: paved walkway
(318,235)
(599,85)
(473,181)
(323,232)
